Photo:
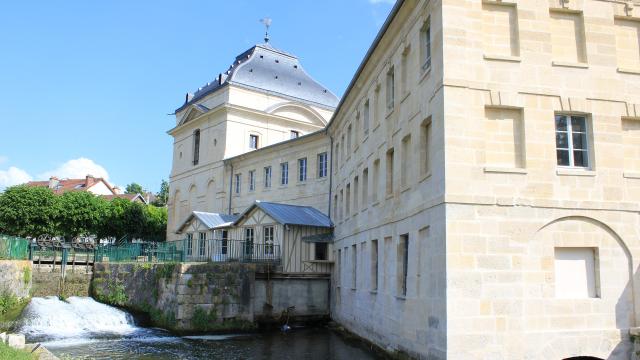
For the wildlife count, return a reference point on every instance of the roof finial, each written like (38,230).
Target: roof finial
(267,22)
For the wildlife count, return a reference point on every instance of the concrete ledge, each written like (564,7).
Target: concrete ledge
(570,64)
(631,175)
(507,58)
(629,71)
(504,170)
(575,172)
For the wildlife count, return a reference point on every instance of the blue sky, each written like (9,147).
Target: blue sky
(86,86)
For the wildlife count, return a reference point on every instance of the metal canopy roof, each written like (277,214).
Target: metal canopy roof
(210,220)
(290,214)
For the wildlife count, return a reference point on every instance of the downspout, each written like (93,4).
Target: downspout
(230,188)
(330,172)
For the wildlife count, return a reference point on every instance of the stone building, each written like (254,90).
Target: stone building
(484,181)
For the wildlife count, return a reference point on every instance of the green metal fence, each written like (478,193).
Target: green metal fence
(13,248)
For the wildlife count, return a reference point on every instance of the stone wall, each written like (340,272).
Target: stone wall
(210,297)
(15,277)
(182,297)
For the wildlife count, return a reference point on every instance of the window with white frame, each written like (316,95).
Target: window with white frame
(252,180)
(202,243)
(572,141)
(237,181)
(248,240)
(284,173)
(267,177)
(295,134)
(189,244)
(268,240)
(322,165)
(253,141)
(391,78)
(426,44)
(302,169)
(196,147)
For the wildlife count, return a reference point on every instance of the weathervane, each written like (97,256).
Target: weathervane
(267,22)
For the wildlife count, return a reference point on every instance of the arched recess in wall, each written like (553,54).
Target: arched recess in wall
(192,203)
(548,253)
(297,111)
(211,196)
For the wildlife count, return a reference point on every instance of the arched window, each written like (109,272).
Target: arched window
(196,147)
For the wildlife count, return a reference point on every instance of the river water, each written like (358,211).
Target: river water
(81,328)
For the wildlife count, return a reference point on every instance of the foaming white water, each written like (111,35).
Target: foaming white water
(77,317)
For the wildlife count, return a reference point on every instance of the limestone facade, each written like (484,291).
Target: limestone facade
(484,181)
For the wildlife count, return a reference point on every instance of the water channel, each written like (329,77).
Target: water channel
(81,328)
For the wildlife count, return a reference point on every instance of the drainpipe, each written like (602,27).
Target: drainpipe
(330,172)
(230,188)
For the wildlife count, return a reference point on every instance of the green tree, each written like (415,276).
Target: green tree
(156,228)
(28,211)
(134,188)
(80,213)
(162,196)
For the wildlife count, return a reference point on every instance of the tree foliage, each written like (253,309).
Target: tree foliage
(134,188)
(32,211)
(162,197)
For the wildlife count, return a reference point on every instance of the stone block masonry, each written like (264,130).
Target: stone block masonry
(15,278)
(50,283)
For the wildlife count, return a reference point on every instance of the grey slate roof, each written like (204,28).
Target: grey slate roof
(290,214)
(210,220)
(267,68)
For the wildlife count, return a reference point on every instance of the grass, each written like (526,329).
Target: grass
(9,353)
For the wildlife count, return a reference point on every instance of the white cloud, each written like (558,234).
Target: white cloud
(13,176)
(391,2)
(76,169)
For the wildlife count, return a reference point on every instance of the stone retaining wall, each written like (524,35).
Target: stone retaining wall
(15,277)
(48,282)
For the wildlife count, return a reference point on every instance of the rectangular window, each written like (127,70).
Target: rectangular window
(225,242)
(354,267)
(426,44)
(355,194)
(506,147)
(500,29)
(335,207)
(302,170)
(572,148)
(267,177)
(425,147)
(404,81)
(268,240)
(252,180)
(202,243)
(196,147)
(253,141)
(248,241)
(322,165)
(189,244)
(284,173)
(389,183)
(376,180)
(347,201)
(336,157)
(349,140)
(576,272)
(320,251)
(365,117)
(631,143)
(341,205)
(339,269)
(295,134)
(374,265)
(344,149)
(403,262)
(238,181)
(391,78)
(627,44)
(365,188)
(405,162)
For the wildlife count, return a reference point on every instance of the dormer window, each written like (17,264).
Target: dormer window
(253,141)
(295,134)
(196,147)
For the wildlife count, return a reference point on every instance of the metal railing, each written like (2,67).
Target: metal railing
(13,248)
(191,250)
